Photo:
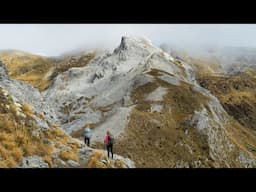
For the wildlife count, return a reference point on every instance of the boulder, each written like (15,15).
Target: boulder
(73,164)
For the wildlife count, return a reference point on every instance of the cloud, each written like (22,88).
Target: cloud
(54,39)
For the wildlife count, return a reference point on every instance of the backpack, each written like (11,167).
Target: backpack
(111,140)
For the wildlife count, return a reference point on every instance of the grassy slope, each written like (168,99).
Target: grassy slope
(37,70)
(171,139)
(17,139)
(238,97)
(237,94)
(152,144)
(27,67)
(203,67)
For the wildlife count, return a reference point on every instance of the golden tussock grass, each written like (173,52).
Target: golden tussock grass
(11,162)
(41,116)
(17,140)
(8,160)
(44,149)
(28,68)
(13,108)
(69,155)
(48,160)
(3,164)
(4,136)
(6,123)
(59,132)
(27,109)
(4,152)
(17,154)
(9,144)
(29,149)
(35,79)
(94,159)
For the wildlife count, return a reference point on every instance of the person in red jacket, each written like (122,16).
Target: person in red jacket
(109,143)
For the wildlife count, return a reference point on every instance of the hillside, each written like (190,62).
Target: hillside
(29,137)
(27,67)
(37,70)
(237,95)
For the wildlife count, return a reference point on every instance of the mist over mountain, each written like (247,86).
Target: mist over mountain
(166,107)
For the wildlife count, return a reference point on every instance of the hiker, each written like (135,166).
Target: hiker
(87,135)
(109,141)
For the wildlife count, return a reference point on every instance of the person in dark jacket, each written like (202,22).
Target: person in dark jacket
(109,140)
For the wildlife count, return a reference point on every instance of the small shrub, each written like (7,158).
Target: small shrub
(3,164)
(48,160)
(69,155)
(11,162)
(13,109)
(17,154)
(4,153)
(7,124)
(41,116)
(43,149)
(27,109)
(94,159)
(3,136)
(29,149)
(9,144)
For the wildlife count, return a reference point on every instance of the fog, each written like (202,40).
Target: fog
(55,39)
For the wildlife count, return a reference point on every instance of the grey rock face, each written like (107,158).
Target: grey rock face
(246,161)
(73,164)
(182,164)
(3,71)
(33,162)
(84,155)
(60,163)
(129,163)
(25,93)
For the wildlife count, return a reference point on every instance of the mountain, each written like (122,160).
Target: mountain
(31,138)
(160,111)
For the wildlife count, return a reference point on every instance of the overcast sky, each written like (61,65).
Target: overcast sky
(54,39)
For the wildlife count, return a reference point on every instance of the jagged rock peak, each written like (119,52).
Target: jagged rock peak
(128,42)
(135,40)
